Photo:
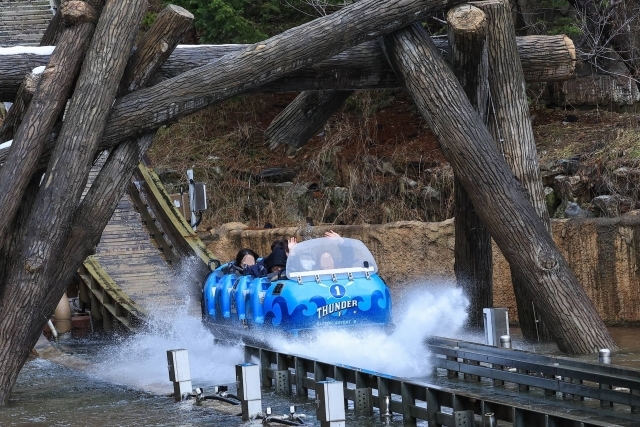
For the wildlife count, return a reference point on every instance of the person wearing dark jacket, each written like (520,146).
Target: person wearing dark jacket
(277,260)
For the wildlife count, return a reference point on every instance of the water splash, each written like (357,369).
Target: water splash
(428,310)
(140,360)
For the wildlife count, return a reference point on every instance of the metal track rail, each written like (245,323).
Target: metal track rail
(434,399)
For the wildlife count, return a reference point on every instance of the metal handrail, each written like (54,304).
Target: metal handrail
(421,400)
(613,384)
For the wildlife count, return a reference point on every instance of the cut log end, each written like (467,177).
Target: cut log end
(571,48)
(177,10)
(76,12)
(466,18)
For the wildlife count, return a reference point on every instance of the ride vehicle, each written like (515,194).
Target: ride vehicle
(327,283)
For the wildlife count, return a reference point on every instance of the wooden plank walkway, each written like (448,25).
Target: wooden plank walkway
(135,261)
(22,23)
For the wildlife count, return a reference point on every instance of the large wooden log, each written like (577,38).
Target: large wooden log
(544,58)
(473,267)
(10,251)
(301,119)
(49,222)
(48,102)
(154,50)
(28,86)
(512,128)
(499,199)
(54,30)
(261,63)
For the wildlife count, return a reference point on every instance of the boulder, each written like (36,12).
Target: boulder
(612,205)
(551,199)
(431,194)
(573,210)
(572,188)
(626,179)
(405,183)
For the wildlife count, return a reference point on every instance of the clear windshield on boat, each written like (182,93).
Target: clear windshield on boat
(329,255)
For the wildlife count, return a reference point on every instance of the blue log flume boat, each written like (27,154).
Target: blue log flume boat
(327,283)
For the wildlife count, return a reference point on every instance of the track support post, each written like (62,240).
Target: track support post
(330,403)
(179,373)
(249,393)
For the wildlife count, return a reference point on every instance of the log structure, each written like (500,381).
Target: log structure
(467,26)
(28,280)
(544,58)
(99,203)
(511,127)
(263,62)
(297,122)
(499,199)
(305,116)
(31,81)
(54,89)
(48,224)
(46,231)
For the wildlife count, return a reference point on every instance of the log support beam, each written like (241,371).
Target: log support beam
(512,128)
(473,265)
(98,205)
(48,102)
(544,58)
(19,107)
(48,224)
(499,199)
(304,117)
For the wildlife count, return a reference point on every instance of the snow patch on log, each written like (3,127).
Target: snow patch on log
(6,144)
(194,46)
(38,70)
(33,50)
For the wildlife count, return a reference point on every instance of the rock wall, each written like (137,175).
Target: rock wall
(603,252)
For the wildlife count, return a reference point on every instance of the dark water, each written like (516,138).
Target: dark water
(53,394)
(123,381)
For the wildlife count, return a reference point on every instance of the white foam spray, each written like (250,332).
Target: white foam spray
(425,310)
(140,361)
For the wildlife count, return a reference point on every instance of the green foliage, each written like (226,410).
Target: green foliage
(241,21)
(554,4)
(148,21)
(555,17)
(560,25)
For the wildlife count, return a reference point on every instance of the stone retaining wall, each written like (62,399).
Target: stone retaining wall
(604,254)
